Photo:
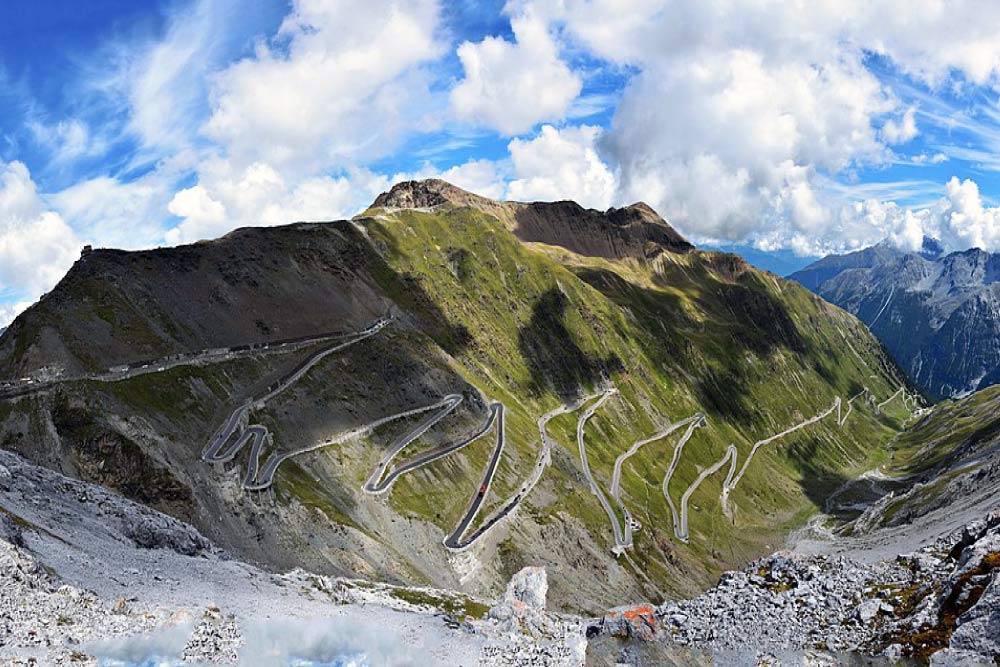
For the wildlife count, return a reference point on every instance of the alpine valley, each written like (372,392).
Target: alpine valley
(447,393)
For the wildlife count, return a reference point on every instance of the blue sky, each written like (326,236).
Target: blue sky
(792,128)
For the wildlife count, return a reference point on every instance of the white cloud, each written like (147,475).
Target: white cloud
(227,197)
(36,244)
(726,142)
(196,205)
(67,140)
(338,85)
(8,311)
(512,86)
(928,39)
(118,214)
(165,85)
(901,131)
(925,158)
(964,222)
(959,219)
(742,111)
(561,164)
(341,84)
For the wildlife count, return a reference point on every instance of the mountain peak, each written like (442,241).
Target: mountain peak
(635,230)
(425,194)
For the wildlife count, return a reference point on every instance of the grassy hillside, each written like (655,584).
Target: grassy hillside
(947,458)
(676,335)
(528,324)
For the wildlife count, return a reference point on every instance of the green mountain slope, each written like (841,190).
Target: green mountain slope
(531,305)
(944,468)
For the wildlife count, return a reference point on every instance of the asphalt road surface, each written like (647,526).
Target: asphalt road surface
(454,541)
(594,488)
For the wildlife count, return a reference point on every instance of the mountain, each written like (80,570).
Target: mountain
(938,314)
(782,262)
(448,388)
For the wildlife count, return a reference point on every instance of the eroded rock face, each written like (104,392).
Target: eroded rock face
(637,621)
(529,587)
(522,607)
(159,532)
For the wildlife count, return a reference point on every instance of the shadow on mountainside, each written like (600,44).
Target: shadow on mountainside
(737,318)
(761,323)
(554,358)
(819,480)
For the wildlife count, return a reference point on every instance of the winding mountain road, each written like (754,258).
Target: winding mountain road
(454,541)
(696,422)
(581,425)
(237,422)
(733,478)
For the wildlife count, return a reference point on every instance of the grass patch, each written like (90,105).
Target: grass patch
(458,605)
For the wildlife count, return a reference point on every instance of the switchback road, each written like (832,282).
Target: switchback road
(594,488)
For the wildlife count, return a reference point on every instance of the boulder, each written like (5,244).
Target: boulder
(528,587)
(522,607)
(636,621)
(158,532)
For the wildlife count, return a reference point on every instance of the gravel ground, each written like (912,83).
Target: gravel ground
(941,601)
(86,574)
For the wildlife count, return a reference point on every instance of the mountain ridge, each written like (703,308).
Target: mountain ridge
(614,233)
(939,314)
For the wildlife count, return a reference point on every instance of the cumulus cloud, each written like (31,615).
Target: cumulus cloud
(739,111)
(116,213)
(959,219)
(736,139)
(341,83)
(36,244)
(963,221)
(338,85)
(227,197)
(512,86)
(561,164)
(901,131)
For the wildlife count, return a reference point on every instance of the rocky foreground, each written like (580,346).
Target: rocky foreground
(87,577)
(940,604)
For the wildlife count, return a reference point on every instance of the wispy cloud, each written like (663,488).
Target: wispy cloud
(913,192)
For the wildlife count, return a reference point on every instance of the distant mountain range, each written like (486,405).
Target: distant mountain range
(782,262)
(937,313)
